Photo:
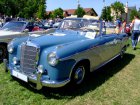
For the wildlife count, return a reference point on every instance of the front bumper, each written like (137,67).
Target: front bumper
(37,78)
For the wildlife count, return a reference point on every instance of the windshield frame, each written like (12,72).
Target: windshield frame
(81,19)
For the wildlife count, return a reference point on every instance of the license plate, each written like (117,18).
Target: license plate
(20,76)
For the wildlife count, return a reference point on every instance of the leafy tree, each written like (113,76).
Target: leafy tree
(106,14)
(58,13)
(6,6)
(29,9)
(50,15)
(80,12)
(23,8)
(118,7)
(41,10)
(133,13)
(11,7)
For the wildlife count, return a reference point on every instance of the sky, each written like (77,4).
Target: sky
(96,4)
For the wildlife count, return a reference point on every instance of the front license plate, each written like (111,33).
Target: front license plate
(20,76)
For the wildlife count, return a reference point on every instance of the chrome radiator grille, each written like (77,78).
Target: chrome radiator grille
(29,55)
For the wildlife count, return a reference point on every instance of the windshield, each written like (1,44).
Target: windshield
(80,24)
(14,26)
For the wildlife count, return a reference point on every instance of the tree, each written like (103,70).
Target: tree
(80,12)
(58,13)
(106,14)
(41,13)
(11,7)
(23,8)
(133,13)
(50,15)
(118,7)
(6,7)
(29,9)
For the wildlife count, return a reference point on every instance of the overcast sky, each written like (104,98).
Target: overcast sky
(96,4)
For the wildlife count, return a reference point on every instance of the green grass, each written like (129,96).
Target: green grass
(117,83)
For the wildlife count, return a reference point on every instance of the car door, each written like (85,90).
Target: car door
(100,52)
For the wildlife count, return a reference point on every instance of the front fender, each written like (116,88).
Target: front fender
(59,72)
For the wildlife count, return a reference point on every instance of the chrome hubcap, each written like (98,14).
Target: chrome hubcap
(79,74)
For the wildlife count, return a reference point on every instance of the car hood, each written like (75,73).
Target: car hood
(56,38)
(7,33)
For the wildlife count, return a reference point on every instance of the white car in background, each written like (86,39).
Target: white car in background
(16,29)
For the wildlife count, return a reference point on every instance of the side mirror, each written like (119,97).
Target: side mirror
(26,30)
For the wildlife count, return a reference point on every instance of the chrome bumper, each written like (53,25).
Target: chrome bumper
(37,79)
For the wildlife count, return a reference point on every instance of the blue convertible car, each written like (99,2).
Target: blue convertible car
(78,47)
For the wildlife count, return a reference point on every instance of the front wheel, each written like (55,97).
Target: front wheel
(78,74)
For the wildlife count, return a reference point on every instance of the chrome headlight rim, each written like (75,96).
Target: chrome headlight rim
(52,59)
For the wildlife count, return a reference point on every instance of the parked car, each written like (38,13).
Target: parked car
(15,29)
(79,46)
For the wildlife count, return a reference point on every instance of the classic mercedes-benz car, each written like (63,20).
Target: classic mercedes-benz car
(78,47)
(16,29)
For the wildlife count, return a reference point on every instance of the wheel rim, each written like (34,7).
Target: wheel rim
(79,74)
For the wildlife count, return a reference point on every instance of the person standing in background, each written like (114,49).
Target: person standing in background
(123,29)
(118,26)
(135,32)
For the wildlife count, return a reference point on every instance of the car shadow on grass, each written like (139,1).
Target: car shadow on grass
(94,80)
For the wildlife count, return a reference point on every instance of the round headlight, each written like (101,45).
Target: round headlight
(10,48)
(52,59)
(40,68)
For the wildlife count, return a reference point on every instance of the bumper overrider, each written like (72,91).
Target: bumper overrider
(34,79)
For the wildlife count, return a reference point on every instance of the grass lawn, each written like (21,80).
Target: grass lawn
(117,83)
